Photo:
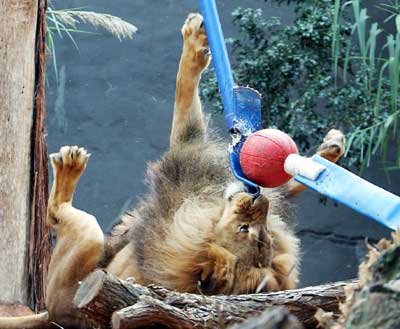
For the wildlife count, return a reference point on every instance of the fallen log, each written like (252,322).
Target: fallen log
(275,318)
(152,312)
(102,294)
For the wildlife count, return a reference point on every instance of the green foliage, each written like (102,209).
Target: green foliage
(376,67)
(312,77)
(392,7)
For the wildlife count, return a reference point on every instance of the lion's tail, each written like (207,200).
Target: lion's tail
(36,321)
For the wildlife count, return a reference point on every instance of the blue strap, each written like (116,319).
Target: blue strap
(352,191)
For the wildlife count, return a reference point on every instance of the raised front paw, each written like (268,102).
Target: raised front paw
(333,146)
(68,165)
(195,40)
(70,160)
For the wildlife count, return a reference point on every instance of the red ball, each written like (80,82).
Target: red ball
(263,155)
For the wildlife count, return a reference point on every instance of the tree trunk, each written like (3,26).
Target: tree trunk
(18,20)
(102,294)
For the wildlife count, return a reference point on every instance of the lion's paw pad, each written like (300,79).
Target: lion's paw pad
(73,157)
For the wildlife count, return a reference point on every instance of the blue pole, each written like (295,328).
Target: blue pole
(220,58)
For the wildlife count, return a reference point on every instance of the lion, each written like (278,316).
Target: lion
(197,230)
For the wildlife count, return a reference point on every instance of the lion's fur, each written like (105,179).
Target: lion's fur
(195,230)
(185,231)
(172,228)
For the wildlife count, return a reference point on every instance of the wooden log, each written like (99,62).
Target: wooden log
(151,312)
(17,82)
(101,294)
(276,318)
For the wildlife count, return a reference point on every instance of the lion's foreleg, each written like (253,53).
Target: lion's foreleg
(188,119)
(80,241)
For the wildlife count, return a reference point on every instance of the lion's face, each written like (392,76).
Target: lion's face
(242,228)
(241,243)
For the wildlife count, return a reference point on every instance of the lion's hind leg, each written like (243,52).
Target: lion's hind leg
(80,240)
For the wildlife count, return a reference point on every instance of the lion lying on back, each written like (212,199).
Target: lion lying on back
(197,229)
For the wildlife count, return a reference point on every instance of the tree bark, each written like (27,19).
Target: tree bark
(276,318)
(40,244)
(18,20)
(101,294)
(377,303)
(152,312)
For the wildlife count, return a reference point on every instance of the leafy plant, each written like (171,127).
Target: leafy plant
(377,68)
(64,23)
(392,8)
(314,77)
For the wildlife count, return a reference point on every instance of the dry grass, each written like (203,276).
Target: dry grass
(115,25)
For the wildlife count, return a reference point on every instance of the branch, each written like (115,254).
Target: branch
(276,318)
(151,312)
(101,294)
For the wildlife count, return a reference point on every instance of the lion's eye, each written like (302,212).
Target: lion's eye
(244,229)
